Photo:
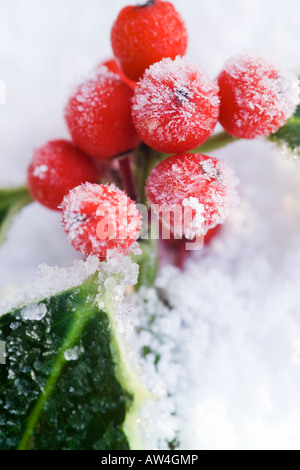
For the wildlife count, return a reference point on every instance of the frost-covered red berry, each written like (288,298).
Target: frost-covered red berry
(98,218)
(175,106)
(57,167)
(145,34)
(200,191)
(98,116)
(257,95)
(112,65)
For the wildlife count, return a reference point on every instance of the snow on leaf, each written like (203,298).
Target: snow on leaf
(67,382)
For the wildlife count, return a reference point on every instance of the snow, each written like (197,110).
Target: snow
(229,344)
(50,280)
(40,171)
(34,312)
(236,308)
(72,354)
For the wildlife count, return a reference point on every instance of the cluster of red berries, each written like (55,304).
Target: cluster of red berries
(151,93)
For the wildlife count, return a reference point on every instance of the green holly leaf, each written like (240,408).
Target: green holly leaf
(288,136)
(12,200)
(67,383)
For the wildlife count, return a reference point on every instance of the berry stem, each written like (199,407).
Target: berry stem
(145,160)
(12,200)
(127,177)
(149,3)
(148,262)
(215,142)
(181,256)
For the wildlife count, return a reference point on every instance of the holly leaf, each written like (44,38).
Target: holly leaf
(12,200)
(67,383)
(288,136)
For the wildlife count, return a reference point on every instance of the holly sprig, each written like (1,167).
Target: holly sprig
(68,382)
(102,371)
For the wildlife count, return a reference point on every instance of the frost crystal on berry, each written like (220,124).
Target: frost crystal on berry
(144,34)
(258,95)
(56,168)
(98,218)
(204,184)
(176,106)
(98,115)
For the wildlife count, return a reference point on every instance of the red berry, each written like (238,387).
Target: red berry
(112,65)
(257,96)
(145,34)
(176,106)
(203,184)
(98,218)
(98,115)
(56,168)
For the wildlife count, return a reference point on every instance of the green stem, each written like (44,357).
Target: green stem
(145,160)
(215,142)
(148,262)
(127,177)
(12,200)
(10,195)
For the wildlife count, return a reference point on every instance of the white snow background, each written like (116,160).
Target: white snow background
(232,354)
